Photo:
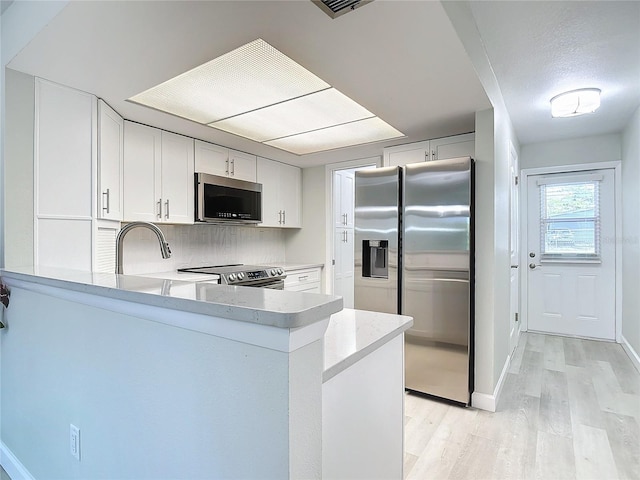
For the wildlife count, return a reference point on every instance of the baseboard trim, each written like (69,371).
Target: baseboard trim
(487,402)
(12,465)
(633,355)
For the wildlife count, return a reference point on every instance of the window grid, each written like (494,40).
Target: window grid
(570,221)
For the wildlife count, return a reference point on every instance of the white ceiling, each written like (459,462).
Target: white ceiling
(538,49)
(402,60)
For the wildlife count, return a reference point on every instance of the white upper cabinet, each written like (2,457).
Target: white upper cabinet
(436,149)
(405,154)
(452,147)
(177,179)
(281,193)
(242,166)
(158,175)
(216,160)
(110,158)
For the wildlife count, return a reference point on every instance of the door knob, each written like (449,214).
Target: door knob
(532,266)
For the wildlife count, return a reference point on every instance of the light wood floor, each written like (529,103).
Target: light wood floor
(569,409)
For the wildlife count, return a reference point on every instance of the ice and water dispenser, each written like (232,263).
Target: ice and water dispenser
(375,258)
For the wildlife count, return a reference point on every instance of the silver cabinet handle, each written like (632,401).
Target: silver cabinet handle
(233,167)
(514,266)
(303,278)
(160,209)
(226,167)
(105,209)
(284,217)
(433,154)
(166,213)
(280,217)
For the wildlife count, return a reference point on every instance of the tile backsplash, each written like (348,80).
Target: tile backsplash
(201,245)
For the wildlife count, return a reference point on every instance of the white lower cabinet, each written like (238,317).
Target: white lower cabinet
(303,280)
(281,194)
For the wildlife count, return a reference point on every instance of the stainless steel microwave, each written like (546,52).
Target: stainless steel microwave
(227,200)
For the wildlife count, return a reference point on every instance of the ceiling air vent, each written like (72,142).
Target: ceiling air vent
(335,8)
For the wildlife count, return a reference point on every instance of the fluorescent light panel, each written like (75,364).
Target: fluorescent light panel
(356,133)
(575,102)
(312,112)
(259,93)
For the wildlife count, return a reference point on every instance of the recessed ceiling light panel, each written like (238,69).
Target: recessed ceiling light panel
(250,77)
(304,114)
(259,93)
(575,102)
(355,133)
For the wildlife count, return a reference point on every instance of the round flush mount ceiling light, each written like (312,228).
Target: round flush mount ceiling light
(575,102)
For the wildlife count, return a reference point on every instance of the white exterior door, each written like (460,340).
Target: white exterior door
(571,242)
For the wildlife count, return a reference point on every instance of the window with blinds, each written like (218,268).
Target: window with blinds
(570,220)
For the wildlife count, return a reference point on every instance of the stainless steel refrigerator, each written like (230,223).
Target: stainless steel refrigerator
(414,256)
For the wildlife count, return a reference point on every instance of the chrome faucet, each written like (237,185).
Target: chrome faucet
(164,246)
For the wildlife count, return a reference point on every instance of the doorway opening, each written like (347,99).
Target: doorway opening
(342,226)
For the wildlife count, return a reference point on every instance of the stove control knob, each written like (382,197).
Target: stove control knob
(232,277)
(240,275)
(280,271)
(274,271)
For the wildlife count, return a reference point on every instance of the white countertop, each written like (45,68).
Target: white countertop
(353,334)
(264,306)
(182,276)
(300,266)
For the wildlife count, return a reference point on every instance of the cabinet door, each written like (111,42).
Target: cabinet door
(452,147)
(344,194)
(142,156)
(405,154)
(212,159)
(268,175)
(343,268)
(110,158)
(242,166)
(290,195)
(177,178)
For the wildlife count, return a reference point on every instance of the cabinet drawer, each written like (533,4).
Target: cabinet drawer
(295,277)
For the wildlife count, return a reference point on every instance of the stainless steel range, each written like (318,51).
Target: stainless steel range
(244,275)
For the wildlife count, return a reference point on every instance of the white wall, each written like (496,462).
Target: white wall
(492,258)
(202,245)
(18,169)
(494,134)
(631,233)
(598,148)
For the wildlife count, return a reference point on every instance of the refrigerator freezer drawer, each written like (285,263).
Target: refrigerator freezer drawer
(438,301)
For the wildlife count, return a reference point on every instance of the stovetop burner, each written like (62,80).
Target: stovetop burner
(238,274)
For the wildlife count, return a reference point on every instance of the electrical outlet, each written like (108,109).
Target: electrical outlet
(74,441)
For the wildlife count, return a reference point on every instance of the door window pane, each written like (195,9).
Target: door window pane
(570,220)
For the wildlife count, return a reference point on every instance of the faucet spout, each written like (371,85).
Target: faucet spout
(164,246)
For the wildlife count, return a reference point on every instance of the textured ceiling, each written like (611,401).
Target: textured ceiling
(539,49)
